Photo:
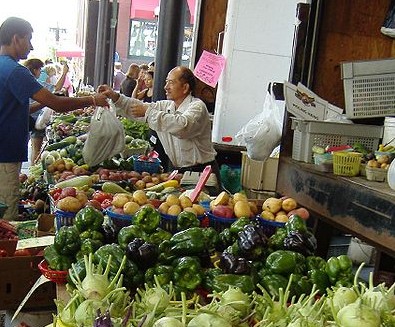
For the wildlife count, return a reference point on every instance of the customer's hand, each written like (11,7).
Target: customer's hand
(108,92)
(101,99)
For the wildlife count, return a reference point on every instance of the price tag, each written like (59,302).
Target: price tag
(209,68)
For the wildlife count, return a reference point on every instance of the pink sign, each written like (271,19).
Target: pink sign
(209,68)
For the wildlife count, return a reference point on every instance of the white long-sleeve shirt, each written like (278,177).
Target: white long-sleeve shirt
(185,133)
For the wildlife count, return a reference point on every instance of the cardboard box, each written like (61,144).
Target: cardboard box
(17,276)
(259,175)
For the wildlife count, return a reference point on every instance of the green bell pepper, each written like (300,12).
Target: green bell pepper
(187,220)
(55,260)
(300,285)
(147,218)
(191,241)
(164,275)
(88,218)
(67,240)
(281,262)
(276,241)
(238,225)
(339,269)
(158,236)
(272,283)
(222,282)
(315,263)
(92,234)
(300,260)
(104,252)
(187,273)
(320,279)
(88,246)
(226,238)
(208,278)
(296,223)
(128,234)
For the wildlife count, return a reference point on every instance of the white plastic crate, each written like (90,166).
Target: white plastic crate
(311,132)
(369,88)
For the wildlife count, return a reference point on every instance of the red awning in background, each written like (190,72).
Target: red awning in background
(144,9)
(70,52)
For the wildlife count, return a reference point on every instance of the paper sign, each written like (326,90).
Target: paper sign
(209,68)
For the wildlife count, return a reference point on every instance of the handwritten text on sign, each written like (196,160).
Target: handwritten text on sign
(209,68)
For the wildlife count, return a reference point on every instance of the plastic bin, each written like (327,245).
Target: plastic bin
(145,165)
(346,163)
(369,88)
(63,218)
(310,132)
(119,220)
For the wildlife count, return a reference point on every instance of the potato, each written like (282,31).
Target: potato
(163,208)
(221,198)
(239,197)
(82,197)
(139,185)
(266,214)
(253,207)
(289,204)
(130,208)
(281,218)
(140,197)
(70,204)
(242,209)
(172,199)
(185,201)
(272,204)
(199,209)
(373,163)
(174,210)
(119,200)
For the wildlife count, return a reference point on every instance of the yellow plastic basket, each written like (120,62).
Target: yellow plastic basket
(346,163)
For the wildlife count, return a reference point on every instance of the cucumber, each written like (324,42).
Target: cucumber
(78,181)
(62,144)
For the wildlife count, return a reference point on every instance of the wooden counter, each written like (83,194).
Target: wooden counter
(354,205)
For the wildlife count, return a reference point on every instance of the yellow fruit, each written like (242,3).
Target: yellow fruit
(242,209)
(267,215)
(281,218)
(221,198)
(163,208)
(174,210)
(289,204)
(239,197)
(272,204)
(140,197)
(172,200)
(130,208)
(185,201)
(119,200)
(199,209)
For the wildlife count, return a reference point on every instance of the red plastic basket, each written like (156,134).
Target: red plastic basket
(56,276)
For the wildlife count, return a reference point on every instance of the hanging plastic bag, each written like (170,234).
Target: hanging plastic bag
(43,118)
(388,27)
(106,137)
(263,132)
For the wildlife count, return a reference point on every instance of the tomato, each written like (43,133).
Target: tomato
(106,203)
(100,196)
(94,203)
(55,193)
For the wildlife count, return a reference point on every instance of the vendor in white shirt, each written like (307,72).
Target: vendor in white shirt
(182,122)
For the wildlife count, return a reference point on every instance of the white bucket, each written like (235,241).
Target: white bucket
(359,251)
(389,130)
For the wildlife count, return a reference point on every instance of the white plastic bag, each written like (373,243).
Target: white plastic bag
(263,132)
(106,137)
(43,118)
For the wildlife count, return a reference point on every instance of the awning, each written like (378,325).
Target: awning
(70,52)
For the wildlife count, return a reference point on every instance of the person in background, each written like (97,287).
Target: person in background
(130,81)
(140,79)
(119,76)
(182,122)
(17,86)
(146,96)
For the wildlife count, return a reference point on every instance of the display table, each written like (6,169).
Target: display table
(353,205)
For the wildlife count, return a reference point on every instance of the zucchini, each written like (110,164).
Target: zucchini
(78,181)
(161,186)
(113,188)
(62,144)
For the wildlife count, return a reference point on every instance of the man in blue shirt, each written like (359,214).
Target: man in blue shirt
(17,85)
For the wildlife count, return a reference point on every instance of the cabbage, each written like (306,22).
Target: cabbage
(358,315)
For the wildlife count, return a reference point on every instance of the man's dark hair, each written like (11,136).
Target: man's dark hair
(14,26)
(188,77)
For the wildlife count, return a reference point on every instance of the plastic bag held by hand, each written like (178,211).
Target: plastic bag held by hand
(44,118)
(106,137)
(263,132)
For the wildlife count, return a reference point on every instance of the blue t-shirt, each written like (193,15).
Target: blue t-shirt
(17,85)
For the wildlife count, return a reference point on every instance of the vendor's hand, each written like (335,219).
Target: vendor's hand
(101,99)
(108,92)
(138,110)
